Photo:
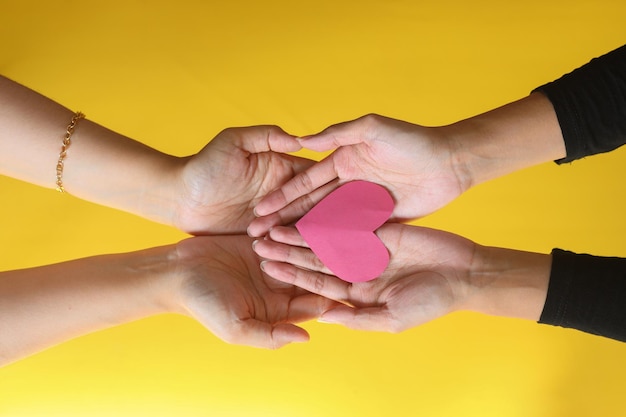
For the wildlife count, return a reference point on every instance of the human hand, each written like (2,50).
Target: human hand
(428,276)
(431,273)
(223,288)
(414,163)
(221,184)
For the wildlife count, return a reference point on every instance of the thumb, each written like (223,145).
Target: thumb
(260,334)
(256,139)
(341,134)
(370,318)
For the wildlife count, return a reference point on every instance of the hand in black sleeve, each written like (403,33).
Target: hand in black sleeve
(590,103)
(587,293)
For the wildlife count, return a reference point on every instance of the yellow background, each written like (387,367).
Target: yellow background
(172,74)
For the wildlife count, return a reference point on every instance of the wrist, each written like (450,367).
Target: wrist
(156,276)
(508,283)
(509,138)
(107,168)
(468,142)
(159,193)
(188,263)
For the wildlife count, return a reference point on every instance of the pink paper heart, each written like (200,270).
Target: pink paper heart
(340,230)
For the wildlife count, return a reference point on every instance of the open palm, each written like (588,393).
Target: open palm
(411,161)
(225,290)
(426,277)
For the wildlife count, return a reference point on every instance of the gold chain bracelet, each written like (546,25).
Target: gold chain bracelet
(66,144)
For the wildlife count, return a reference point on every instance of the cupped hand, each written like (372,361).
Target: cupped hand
(219,186)
(427,277)
(223,288)
(415,163)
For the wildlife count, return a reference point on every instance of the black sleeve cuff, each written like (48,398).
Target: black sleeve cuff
(587,293)
(590,104)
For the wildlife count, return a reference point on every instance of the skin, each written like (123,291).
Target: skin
(213,279)
(424,168)
(211,192)
(431,273)
(216,280)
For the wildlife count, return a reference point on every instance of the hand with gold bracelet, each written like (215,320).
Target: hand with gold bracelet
(212,192)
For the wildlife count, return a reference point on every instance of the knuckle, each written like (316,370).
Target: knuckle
(304,204)
(315,262)
(269,134)
(303,182)
(372,119)
(336,141)
(370,124)
(318,283)
(288,253)
(312,281)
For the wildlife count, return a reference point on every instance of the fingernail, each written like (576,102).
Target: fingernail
(254,242)
(262,265)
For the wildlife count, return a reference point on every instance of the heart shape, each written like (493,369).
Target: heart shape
(340,230)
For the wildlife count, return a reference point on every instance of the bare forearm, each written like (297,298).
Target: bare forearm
(508,283)
(521,134)
(41,307)
(101,166)
(512,137)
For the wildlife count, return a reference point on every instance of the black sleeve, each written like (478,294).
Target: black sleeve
(590,103)
(587,293)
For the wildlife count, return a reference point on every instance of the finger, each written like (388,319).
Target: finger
(316,282)
(302,257)
(293,212)
(308,307)
(256,333)
(341,134)
(285,333)
(288,236)
(256,139)
(369,318)
(300,185)
(299,164)
(261,225)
